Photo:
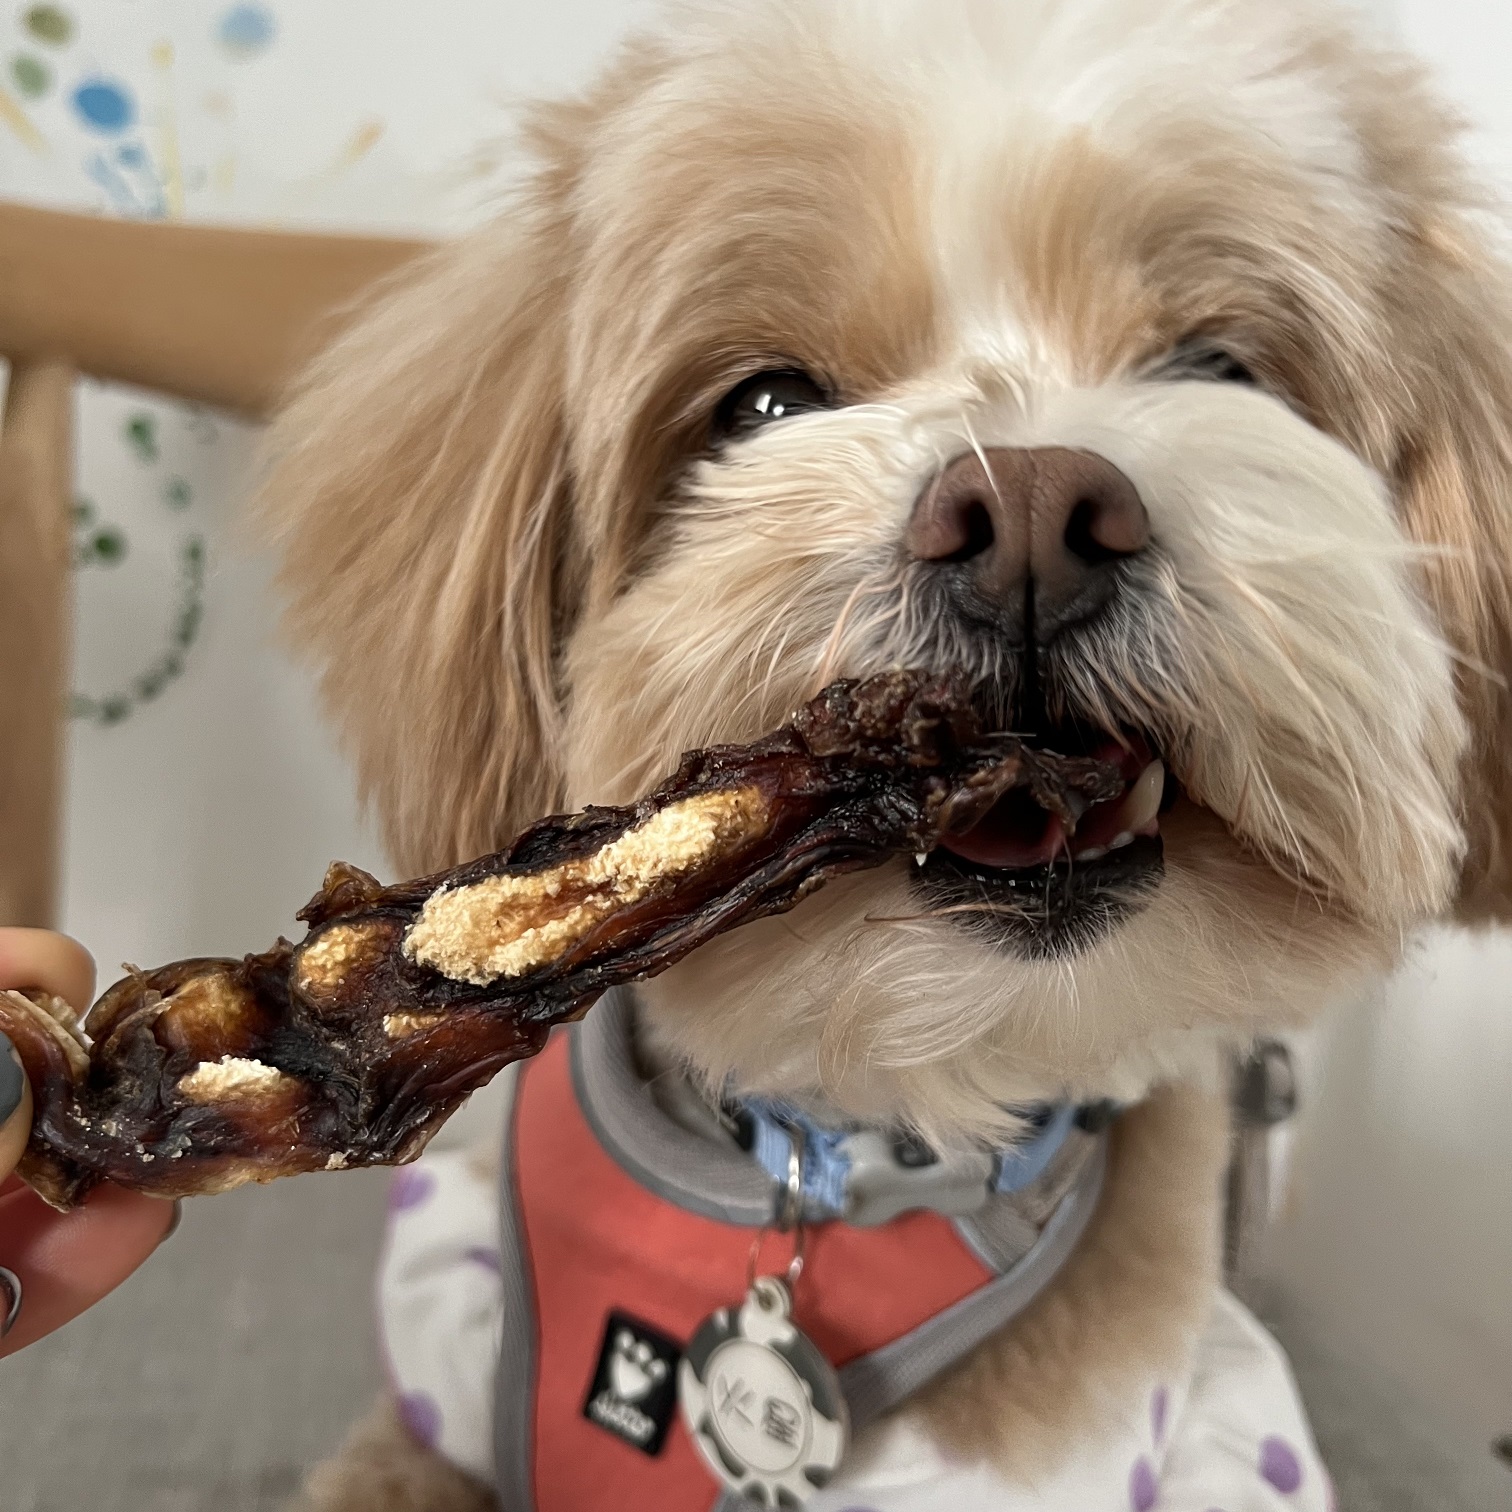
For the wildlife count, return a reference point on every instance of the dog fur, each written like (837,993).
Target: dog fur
(529,581)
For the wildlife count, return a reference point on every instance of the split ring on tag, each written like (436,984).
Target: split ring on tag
(762,1405)
(795,1265)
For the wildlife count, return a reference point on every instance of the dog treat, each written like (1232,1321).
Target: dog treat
(351,1047)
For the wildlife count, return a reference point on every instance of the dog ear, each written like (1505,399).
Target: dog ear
(418,490)
(1455,487)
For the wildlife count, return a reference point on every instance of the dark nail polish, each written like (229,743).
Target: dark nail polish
(12,1079)
(10,1300)
(173,1223)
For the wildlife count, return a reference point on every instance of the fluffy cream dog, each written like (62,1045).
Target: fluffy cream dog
(1146,358)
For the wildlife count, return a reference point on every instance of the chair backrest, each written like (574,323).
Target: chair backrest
(216,315)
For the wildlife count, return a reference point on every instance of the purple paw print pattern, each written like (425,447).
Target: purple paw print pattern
(1280,1466)
(485,1258)
(420,1415)
(409,1189)
(1160,1404)
(1144,1489)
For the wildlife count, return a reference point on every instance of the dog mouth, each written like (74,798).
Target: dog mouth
(1016,834)
(1038,883)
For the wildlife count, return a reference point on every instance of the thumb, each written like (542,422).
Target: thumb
(15,1108)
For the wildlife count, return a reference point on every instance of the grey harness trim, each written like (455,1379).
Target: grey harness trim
(1025,1238)
(514,1380)
(878,1382)
(713,1180)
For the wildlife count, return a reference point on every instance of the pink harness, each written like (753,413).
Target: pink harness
(616,1278)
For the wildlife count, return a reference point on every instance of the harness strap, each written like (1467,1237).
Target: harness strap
(880,1381)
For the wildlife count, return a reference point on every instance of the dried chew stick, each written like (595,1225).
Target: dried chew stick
(353,1046)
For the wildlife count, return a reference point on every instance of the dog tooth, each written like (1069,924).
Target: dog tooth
(920,857)
(1092,853)
(1119,841)
(1141,805)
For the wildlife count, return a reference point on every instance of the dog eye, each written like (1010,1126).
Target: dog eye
(765,397)
(1224,367)
(1214,364)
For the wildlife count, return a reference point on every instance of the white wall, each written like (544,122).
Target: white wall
(1469,44)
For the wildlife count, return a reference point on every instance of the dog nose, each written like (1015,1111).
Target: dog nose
(1038,533)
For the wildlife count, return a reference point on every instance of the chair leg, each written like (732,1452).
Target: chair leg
(36,469)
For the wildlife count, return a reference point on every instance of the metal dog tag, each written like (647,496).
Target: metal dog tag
(762,1404)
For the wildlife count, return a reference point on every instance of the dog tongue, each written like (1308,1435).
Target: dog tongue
(1015,834)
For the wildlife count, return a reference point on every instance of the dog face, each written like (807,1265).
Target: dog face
(1135,356)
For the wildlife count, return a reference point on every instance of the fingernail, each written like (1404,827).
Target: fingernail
(12,1079)
(10,1305)
(173,1223)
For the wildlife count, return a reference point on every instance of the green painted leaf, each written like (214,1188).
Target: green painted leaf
(141,436)
(31,76)
(50,23)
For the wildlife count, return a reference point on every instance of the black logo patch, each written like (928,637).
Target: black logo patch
(634,1391)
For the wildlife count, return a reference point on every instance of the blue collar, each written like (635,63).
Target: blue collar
(820,1172)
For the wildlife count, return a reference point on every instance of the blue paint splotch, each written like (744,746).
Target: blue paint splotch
(105,106)
(246,30)
(131,184)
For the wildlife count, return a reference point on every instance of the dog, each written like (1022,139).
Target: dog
(1146,361)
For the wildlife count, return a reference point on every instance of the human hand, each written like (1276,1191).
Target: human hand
(54,1265)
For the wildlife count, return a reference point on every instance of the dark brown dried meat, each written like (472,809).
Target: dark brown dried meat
(353,1046)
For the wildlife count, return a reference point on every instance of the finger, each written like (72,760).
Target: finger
(39,958)
(15,1107)
(67,1261)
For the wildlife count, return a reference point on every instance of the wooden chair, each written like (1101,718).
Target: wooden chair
(223,317)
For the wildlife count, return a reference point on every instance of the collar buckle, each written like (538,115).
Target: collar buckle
(867,1176)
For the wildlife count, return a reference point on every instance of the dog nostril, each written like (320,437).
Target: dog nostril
(953,521)
(1106,527)
(977,534)
(1081,535)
